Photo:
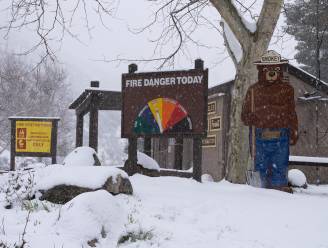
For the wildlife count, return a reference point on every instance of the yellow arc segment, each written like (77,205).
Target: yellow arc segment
(156,107)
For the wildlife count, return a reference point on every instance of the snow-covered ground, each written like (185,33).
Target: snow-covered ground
(175,212)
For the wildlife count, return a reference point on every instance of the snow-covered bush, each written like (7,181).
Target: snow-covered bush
(95,217)
(18,188)
(297,178)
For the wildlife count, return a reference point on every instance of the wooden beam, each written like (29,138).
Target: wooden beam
(79,130)
(147,146)
(178,153)
(197,159)
(93,123)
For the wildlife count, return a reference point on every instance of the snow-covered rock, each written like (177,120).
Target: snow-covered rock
(207,178)
(60,184)
(147,162)
(88,177)
(296,178)
(91,216)
(82,156)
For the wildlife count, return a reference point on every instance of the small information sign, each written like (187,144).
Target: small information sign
(215,123)
(33,136)
(209,141)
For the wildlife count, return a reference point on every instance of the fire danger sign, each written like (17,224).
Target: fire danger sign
(164,103)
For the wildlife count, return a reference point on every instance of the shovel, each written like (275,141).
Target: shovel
(252,176)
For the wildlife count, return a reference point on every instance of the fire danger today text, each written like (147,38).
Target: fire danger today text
(163,81)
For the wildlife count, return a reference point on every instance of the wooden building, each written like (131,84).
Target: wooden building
(311,105)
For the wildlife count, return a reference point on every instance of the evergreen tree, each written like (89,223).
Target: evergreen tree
(307,21)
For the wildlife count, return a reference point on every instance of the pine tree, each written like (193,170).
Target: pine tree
(307,21)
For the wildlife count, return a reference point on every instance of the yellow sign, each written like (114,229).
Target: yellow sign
(33,136)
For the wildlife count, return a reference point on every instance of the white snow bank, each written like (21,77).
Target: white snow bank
(92,215)
(309,159)
(234,45)
(81,156)
(147,162)
(90,177)
(207,178)
(296,178)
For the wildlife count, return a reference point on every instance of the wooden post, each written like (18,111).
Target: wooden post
(79,130)
(178,153)
(12,144)
(54,141)
(147,146)
(131,162)
(197,141)
(93,123)
(197,159)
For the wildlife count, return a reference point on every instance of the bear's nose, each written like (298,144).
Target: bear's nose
(272,73)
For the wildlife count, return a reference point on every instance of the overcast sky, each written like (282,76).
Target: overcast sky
(84,60)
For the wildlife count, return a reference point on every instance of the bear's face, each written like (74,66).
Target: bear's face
(270,73)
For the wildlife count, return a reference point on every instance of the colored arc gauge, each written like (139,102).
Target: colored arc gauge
(162,115)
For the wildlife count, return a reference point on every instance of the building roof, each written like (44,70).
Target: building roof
(105,100)
(293,70)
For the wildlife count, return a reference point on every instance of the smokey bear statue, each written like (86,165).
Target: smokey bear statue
(269,108)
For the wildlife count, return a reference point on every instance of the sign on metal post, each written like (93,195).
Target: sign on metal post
(164,103)
(33,136)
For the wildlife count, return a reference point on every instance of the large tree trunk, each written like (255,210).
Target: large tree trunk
(238,151)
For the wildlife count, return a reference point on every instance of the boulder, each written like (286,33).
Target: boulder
(121,185)
(61,194)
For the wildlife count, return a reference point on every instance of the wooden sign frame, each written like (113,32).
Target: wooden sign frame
(192,95)
(53,141)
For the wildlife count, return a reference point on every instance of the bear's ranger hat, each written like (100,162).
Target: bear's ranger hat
(271,58)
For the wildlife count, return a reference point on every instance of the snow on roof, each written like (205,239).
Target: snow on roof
(308,159)
(309,98)
(309,74)
(34,117)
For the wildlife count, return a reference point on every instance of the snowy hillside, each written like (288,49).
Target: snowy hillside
(174,213)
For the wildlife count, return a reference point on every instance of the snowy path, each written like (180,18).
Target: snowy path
(183,213)
(178,213)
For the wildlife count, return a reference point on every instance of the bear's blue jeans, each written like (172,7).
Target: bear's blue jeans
(271,158)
